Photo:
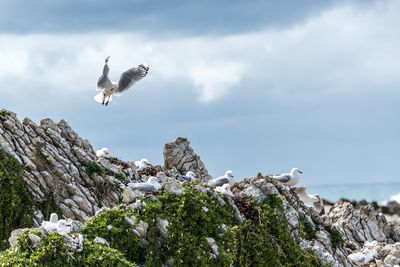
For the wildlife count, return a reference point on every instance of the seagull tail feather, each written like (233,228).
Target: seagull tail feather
(99,97)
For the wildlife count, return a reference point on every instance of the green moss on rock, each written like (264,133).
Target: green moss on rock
(94,167)
(195,216)
(201,231)
(307,230)
(15,200)
(113,227)
(335,236)
(4,113)
(53,251)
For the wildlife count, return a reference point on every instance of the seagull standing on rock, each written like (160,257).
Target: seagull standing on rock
(149,186)
(228,178)
(315,199)
(142,164)
(288,179)
(224,189)
(103,153)
(127,79)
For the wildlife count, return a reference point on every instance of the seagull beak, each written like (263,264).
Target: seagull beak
(300,171)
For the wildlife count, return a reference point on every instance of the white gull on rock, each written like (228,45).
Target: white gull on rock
(228,178)
(224,189)
(142,164)
(189,176)
(103,153)
(315,199)
(288,179)
(149,186)
(55,225)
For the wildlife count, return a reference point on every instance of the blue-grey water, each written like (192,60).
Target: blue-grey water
(370,192)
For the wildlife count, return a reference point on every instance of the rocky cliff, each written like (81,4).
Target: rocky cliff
(184,223)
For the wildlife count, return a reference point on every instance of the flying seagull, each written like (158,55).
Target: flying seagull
(315,199)
(127,79)
(288,179)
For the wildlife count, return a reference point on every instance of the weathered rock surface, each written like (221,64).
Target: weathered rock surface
(180,156)
(54,157)
(55,160)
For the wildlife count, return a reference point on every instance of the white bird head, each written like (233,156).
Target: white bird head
(53,218)
(226,187)
(229,174)
(296,171)
(190,174)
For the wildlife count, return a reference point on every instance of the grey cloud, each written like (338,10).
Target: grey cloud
(161,17)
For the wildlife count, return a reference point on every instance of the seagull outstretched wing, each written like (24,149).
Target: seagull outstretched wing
(129,77)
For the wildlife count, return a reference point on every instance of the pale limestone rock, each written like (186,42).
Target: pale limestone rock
(35,240)
(180,155)
(131,220)
(101,241)
(129,195)
(141,229)
(137,205)
(211,242)
(174,187)
(254,193)
(14,236)
(162,226)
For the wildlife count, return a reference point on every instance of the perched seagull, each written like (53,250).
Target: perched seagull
(224,189)
(228,178)
(288,179)
(189,176)
(103,153)
(315,199)
(142,164)
(60,226)
(149,186)
(127,79)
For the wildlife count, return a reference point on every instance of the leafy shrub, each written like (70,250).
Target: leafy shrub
(335,236)
(15,200)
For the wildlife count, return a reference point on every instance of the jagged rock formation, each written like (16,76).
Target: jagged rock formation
(61,164)
(54,157)
(180,156)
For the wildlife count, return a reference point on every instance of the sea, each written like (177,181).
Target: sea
(381,193)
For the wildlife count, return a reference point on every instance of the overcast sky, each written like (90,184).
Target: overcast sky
(254,85)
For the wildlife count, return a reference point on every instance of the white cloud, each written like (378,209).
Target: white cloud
(346,48)
(214,81)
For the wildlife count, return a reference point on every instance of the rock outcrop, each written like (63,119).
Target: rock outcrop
(166,225)
(180,156)
(55,160)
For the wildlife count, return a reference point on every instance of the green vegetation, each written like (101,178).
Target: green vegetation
(335,236)
(15,200)
(52,251)
(94,167)
(49,206)
(263,239)
(119,236)
(4,113)
(307,230)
